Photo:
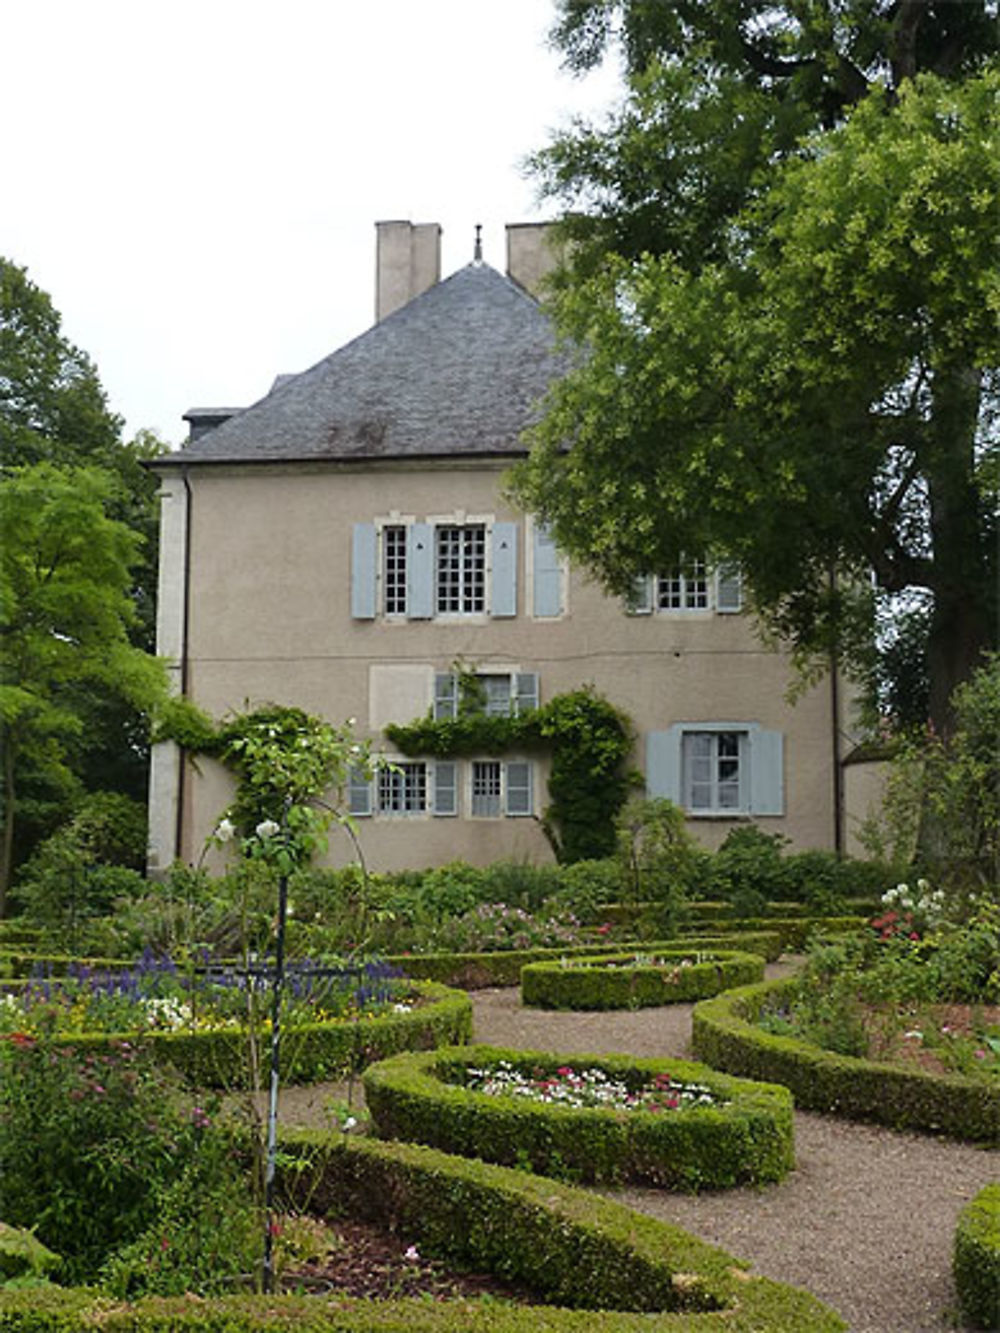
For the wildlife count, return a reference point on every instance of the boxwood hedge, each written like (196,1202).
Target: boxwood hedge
(976,1260)
(311,1052)
(725,1036)
(419,1097)
(602,1267)
(635,981)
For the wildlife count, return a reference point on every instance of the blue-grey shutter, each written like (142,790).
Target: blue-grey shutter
(547,576)
(445,695)
(445,787)
(420,571)
(728,589)
(504,592)
(526,697)
(663,764)
(519,793)
(359,792)
(364,548)
(767,772)
(640,600)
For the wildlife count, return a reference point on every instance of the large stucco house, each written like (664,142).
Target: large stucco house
(344,542)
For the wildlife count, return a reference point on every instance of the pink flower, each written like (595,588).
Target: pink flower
(411,1253)
(980,1055)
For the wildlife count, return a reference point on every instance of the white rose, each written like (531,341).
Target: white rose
(267,828)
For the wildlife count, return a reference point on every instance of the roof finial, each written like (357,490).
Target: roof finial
(477,254)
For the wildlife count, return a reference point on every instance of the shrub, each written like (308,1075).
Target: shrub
(87,1143)
(976,1259)
(747,1136)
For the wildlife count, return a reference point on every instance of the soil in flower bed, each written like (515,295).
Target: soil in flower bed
(920,1037)
(364,1260)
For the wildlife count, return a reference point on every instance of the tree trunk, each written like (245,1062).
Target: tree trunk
(963,582)
(7,843)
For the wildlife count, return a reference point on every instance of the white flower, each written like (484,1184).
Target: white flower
(352,721)
(267,828)
(412,1253)
(226,830)
(349,1123)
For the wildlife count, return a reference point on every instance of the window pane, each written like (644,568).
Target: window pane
(402,789)
(461,568)
(498,697)
(394,569)
(486,787)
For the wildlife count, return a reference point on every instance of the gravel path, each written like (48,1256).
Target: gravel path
(866,1219)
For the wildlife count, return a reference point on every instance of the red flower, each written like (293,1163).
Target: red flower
(24,1040)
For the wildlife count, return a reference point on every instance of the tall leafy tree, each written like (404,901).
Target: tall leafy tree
(681,188)
(65,613)
(815,394)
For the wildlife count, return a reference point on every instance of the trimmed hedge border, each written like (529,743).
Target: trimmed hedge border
(502,967)
(622,1271)
(976,1260)
(622,981)
(312,1052)
(725,1036)
(795,931)
(750,1140)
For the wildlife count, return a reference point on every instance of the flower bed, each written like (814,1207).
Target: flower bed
(726,1036)
(602,1267)
(433,1015)
(633,980)
(976,1263)
(671,1123)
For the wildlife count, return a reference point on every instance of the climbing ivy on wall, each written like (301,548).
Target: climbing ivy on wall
(588,739)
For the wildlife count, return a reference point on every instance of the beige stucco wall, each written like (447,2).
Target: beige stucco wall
(270,621)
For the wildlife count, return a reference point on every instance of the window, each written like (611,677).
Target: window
(713,764)
(493,788)
(420,570)
(402,789)
(693,586)
(405,787)
(486,787)
(500,694)
(718,768)
(684,589)
(497,787)
(460,570)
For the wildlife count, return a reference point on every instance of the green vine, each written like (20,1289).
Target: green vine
(589,741)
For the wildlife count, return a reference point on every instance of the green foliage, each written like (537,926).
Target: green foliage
(655,977)
(747,870)
(86,866)
(658,859)
(726,1035)
(205,1233)
(747,1137)
(942,803)
(65,615)
(835,335)
(976,1260)
(86,1143)
(589,740)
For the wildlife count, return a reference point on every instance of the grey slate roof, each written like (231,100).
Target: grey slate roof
(457,371)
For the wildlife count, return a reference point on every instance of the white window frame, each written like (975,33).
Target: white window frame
(717,754)
(471,586)
(683,584)
(439,782)
(510,799)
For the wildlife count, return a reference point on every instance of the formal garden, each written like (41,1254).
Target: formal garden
(145,1031)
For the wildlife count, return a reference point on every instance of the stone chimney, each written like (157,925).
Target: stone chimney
(408,261)
(531,255)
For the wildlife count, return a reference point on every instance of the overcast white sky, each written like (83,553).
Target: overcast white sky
(196,184)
